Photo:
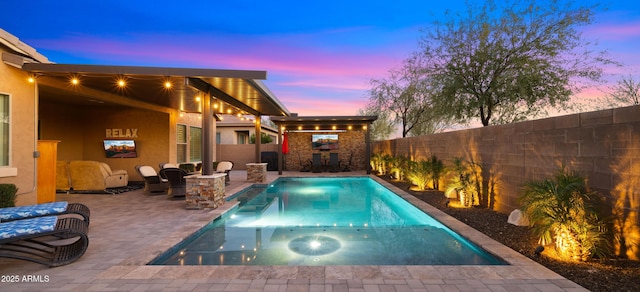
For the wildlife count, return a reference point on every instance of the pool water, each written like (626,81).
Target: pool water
(325,221)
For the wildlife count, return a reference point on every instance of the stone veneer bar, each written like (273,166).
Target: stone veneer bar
(256,172)
(205,191)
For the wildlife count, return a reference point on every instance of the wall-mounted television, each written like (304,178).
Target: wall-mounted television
(120,148)
(324,142)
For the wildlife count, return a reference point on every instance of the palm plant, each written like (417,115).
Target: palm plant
(397,166)
(376,162)
(437,168)
(462,183)
(563,211)
(419,173)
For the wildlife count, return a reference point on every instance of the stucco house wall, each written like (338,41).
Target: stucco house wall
(22,143)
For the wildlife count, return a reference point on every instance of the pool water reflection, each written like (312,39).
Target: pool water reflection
(325,221)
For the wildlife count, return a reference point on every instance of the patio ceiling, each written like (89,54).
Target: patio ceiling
(157,88)
(323,123)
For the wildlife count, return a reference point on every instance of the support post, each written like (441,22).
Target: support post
(258,139)
(207,125)
(280,139)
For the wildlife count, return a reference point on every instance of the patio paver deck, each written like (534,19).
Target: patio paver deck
(130,229)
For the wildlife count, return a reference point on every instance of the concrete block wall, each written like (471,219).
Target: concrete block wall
(603,145)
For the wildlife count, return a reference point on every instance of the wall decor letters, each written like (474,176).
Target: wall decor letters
(121,133)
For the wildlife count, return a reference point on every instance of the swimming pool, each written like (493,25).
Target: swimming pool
(325,221)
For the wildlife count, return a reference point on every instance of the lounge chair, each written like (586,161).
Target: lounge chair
(177,182)
(153,183)
(225,167)
(334,162)
(45,209)
(316,163)
(48,240)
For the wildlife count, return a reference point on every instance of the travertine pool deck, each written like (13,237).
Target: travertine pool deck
(128,230)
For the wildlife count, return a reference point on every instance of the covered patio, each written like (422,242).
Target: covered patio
(173,91)
(354,143)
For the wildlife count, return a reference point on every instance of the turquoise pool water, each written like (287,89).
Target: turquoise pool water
(325,221)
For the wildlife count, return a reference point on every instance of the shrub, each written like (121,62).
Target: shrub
(563,211)
(8,195)
(188,167)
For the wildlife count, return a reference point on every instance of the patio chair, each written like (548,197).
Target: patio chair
(48,240)
(167,165)
(334,162)
(177,182)
(153,183)
(316,163)
(45,209)
(225,167)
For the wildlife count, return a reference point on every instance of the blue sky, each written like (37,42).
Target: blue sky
(319,55)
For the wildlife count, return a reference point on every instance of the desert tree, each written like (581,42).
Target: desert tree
(405,94)
(510,61)
(381,128)
(625,92)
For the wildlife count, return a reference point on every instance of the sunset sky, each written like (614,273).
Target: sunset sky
(319,55)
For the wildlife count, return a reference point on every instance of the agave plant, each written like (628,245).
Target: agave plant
(562,211)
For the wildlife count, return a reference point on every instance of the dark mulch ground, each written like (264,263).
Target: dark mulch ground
(596,275)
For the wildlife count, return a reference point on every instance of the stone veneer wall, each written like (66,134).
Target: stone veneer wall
(602,145)
(348,142)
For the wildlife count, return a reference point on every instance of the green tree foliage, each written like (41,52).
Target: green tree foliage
(264,139)
(508,61)
(562,211)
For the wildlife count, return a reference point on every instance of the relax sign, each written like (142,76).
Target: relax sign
(121,133)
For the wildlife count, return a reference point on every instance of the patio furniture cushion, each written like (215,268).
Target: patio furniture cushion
(45,209)
(27,226)
(13,213)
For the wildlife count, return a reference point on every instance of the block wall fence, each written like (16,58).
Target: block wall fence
(603,145)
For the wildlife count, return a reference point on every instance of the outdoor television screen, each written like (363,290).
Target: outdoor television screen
(120,148)
(324,142)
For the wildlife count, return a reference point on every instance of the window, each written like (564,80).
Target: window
(243,137)
(218,138)
(181,140)
(4,130)
(195,144)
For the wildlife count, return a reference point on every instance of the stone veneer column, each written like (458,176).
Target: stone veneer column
(256,172)
(205,191)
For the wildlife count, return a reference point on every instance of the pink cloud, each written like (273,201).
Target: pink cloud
(622,31)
